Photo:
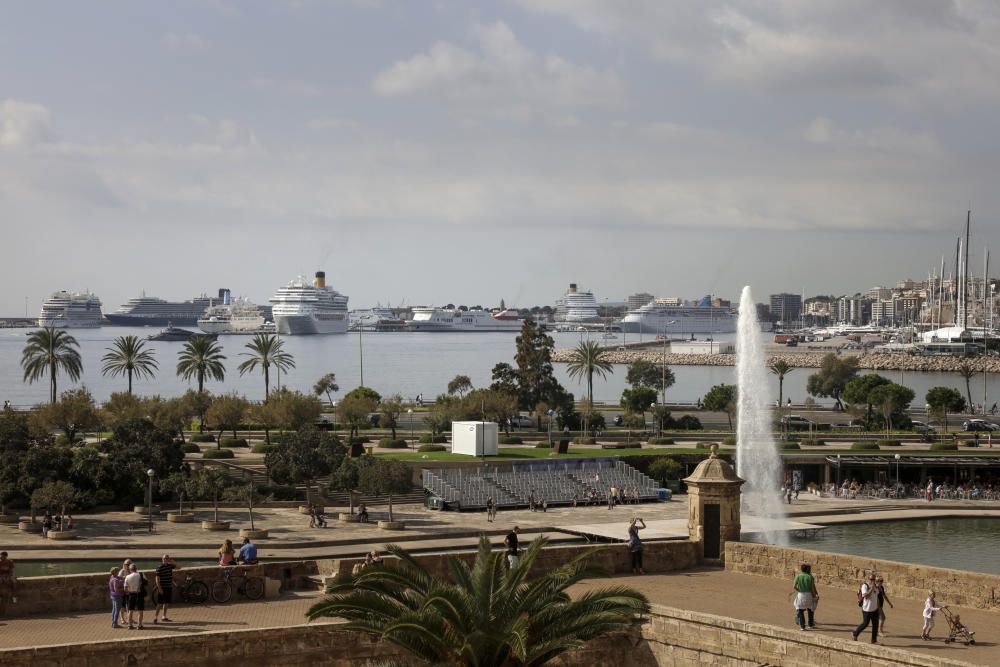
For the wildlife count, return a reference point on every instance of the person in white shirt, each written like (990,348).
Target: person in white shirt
(869,608)
(135,595)
(930,608)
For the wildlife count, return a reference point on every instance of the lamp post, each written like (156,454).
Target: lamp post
(897,469)
(652,408)
(150,474)
(409,415)
(334,415)
(838,473)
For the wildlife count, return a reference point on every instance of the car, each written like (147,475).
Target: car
(522,421)
(796,421)
(920,427)
(979,425)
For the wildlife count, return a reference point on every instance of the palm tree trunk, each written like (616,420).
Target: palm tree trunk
(390,507)
(130,382)
(781,390)
(52,381)
(968,394)
(267,383)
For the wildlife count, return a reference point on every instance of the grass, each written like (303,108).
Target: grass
(544,454)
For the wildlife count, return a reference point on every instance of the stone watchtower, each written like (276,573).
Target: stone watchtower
(714,505)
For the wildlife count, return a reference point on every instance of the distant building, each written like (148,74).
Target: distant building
(884,312)
(786,308)
(879,293)
(638,300)
(763,312)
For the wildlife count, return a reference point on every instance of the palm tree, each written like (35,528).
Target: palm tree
(781,368)
(49,350)
(588,358)
(127,356)
(265,351)
(967,374)
(327,385)
(481,615)
(201,357)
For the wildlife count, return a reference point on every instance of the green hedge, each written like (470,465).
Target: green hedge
(510,440)
(812,443)
(585,440)
(889,443)
(263,447)
(429,439)
(705,445)
(660,441)
(233,442)
(729,441)
(219,454)
(945,446)
(864,445)
(190,448)
(432,448)
(202,437)
(541,445)
(389,443)
(790,445)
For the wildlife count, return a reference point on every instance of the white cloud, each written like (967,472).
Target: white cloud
(23,124)
(183,42)
(883,138)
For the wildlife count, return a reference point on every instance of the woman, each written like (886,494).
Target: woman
(806,597)
(122,573)
(116,590)
(883,597)
(930,608)
(635,544)
(227,554)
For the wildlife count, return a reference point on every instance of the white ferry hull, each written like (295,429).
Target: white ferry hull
(303,325)
(436,326)
(678,325)
(68,324)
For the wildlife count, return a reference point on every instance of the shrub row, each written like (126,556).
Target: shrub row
(867,446)
(660,441)
(946,446)
(812,443)
(432,448)
(888,443)
(263,447)
(790,445)
(202,437)
(218,454)
(232,442)
(389,443)
(190,448)
(510,440)
(427,438)
(584,440)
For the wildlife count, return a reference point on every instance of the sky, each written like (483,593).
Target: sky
(466,152)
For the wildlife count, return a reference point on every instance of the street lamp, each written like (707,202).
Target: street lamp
(409,412)
(838,474)
(334,415)
(897,469)
(150,474)
(652,408)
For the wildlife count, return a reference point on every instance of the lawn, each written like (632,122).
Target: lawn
(527,454)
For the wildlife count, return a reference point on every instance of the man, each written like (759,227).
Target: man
(135,596)
(7,579)
(248,553)
(869,608)
(163,594)
(512,551)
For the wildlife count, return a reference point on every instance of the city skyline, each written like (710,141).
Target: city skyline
(469,152)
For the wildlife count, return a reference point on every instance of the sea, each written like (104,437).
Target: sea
(408,363)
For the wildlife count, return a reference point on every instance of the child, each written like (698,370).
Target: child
(930,608)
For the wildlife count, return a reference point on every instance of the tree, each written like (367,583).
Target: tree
(488,404)
(942,400)
(292,410)
(134,447)
(354,410)
(967,374)
(201,358)
(364,392)
(384,477)
(170,415)
(642,373)
(122,407)
(638,400)
(390,408)
(781,368)
(481,614)
(73,413)
(265,351)
(345,478)
(587,359)
(832,378)
(49,351)
(326,385)
(459,384)
(210,483)
(128,356)
(246,494)
(504,379)
(536,380)
(859,392)
(722,398)
(53,495)
(664,468)
(226,413)
(445,410)
(893,401)
(197,403)
(303,457)
(183,484)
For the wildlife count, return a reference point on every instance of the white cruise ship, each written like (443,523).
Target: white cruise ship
(666,316)
(440,319)
(234,317)
(66,310)
(303,308)
(577,306)
(378,318)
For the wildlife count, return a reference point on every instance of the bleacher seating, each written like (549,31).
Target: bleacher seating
(556,482)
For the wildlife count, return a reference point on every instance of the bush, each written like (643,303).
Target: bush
(945,446)
(687,423)
(541,445)
(389,443)
(190,448)
(202,437)
(660,441)
(664,468)
(218,454)
(429,439)
(813,443)
(510,440)
(263,447)
(232,442)
(583,440)
(888,443)
(705,445)
(633,420)
(865,445)
(729,441)
(790,445)
(432,448)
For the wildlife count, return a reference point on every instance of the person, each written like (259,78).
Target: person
(116,590)
(362,514)
(248,552)
(788,494)
(367,562)
(930,489)
(806,597)
(511,542)
(531,500)
(320,518)
(930,608)
(135,596)
(46,524)
(993,410)
(869,609)
(491,509)
(68,522)
(635,543)
(312,516)
(376,558)
(163,593)
(883,598)
(122,573)
(227,554)
(545,505)
(8,581)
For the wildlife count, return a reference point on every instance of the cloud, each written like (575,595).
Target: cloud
(287,87)
(23,124)
(183,42)
(500,76)
(883,138)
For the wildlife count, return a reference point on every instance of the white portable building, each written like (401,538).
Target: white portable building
(474,438)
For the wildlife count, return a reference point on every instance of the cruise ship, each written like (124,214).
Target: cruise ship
(577,306)
(301,307)
(150,311)
(378,318)
(440,319)
(669,317)
(70,310)
(231,316)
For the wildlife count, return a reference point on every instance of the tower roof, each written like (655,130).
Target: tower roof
(714,471)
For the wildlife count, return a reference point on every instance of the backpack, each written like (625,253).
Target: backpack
(861,597)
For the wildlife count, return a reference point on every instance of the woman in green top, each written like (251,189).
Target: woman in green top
(806,596)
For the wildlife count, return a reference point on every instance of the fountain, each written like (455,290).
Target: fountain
(757,459)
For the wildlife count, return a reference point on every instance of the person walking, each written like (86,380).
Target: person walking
(930,609)
(135,596)
(512,550)
(164,587)
(635,544)
(883,598)
(116,590)
(8,581)
(491,509)
(869,608)
(806,597)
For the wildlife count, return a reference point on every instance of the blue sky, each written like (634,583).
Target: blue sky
(435,152)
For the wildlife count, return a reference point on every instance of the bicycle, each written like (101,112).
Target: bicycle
(193,591)
(251,587)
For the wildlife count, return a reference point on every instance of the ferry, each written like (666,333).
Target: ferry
(440,319)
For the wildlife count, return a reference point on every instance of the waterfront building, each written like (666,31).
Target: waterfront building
(638,300)
(786,308)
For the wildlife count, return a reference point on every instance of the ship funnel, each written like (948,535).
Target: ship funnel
(572,288)
(320,279)
(225,296)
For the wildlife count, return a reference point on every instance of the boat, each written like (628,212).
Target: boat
(667,316)
(174,334)
(378,318)
(301,307)
(238,316)
(441,319)
(576,306)
(71,310)
(151,311)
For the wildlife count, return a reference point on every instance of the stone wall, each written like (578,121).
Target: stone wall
(967,589)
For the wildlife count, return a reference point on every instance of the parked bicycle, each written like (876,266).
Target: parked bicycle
(250,587)
(193,591)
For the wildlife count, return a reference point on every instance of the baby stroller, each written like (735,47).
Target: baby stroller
(956,629)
